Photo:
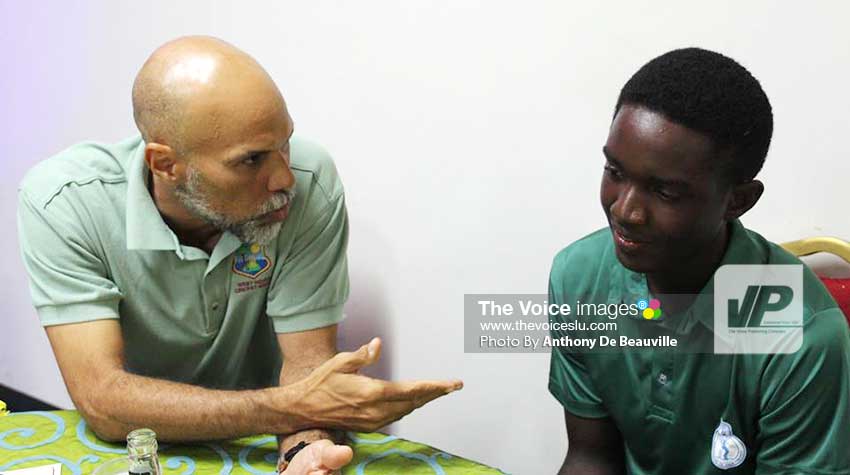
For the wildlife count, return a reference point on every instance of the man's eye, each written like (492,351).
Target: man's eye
(613,172)
(252,160)
(666,195)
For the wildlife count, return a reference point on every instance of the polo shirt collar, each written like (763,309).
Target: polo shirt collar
(742,249)
(146,230)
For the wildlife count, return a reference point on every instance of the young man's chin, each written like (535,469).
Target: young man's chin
(634,263)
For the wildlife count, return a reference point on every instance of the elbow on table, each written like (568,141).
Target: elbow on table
(105,430)
(94,410)
(103,427)
(109,434)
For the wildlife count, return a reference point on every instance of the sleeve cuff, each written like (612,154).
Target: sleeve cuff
(311,320)
(576,408)
(50,315)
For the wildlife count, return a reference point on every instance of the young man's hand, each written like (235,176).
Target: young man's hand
(321,457)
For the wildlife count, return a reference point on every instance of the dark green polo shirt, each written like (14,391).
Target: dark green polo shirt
(789,410)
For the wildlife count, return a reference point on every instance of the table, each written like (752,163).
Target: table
(30,439)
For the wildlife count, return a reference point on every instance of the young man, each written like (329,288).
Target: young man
(174,271)
(690,132)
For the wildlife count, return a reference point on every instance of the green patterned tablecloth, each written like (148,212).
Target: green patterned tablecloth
(30,439)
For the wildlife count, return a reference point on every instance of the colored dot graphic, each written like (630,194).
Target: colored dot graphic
(651,309)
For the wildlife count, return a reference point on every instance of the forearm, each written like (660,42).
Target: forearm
(291,373)
(183,412)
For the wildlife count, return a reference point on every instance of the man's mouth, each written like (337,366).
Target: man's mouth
(628,242)
(277,215)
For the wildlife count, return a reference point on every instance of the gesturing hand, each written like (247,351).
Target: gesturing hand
(334,396)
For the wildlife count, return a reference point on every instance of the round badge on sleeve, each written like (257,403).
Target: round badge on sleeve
(727,450)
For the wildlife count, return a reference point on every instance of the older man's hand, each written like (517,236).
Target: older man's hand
(334,396)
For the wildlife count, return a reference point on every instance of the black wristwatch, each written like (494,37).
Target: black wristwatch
(283,462)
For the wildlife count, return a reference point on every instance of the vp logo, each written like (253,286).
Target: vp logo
(758,300)
(758,309)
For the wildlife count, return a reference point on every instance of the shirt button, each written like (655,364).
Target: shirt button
(662,378)
(215,306)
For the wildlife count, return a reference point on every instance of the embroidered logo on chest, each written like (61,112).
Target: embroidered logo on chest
(727,450)
(251,260)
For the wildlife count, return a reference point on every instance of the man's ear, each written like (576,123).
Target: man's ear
(744,197)
(162,161)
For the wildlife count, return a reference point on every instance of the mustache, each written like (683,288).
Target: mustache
(277,201)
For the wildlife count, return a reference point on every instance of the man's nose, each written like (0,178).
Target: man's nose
(281,177)
(629,207)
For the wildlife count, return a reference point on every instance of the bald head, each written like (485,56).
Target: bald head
(191,87)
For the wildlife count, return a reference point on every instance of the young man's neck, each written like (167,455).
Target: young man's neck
(695,273)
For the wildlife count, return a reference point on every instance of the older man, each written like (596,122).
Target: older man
(174,271)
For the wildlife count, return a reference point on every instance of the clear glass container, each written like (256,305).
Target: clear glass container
(141,453)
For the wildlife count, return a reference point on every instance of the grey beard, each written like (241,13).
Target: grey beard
(252,230)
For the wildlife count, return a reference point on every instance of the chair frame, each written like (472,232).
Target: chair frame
(805,247)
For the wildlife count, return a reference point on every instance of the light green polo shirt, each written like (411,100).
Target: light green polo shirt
(791,411)
(96,247)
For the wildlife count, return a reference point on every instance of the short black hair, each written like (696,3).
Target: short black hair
(712,94)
